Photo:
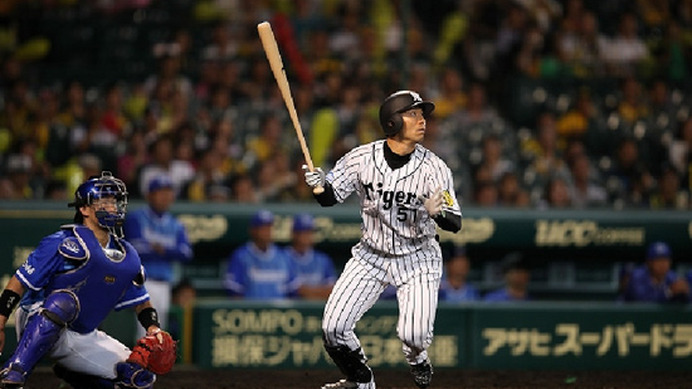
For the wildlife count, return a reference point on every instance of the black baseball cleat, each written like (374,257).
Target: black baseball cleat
(422,374)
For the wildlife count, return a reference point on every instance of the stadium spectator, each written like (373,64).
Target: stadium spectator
(655,281)
(586,189)
(163,162)
(485,194)
(226,79)
(668,194)
(95,138)
(556,194)
(680,153)
(259,269)
(15,183)
(580,44)
(626,50)
(580,121)
(629,179)
(132,160)
(222,46)
(493,158)
(452,97)
(113,117)
(210,175)
(275,177)
(478,111)
(243,189)
(632,106)
(544,155)
(510,192)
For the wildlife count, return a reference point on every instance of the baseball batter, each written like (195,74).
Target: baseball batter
(405,193)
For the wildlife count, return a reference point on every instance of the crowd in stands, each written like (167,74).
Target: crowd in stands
(539,103)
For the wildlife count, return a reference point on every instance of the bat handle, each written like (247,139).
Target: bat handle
(318,190)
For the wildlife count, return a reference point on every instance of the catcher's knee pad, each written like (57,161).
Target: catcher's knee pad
(350,362)
(61,307)
(132,375)
(41,332)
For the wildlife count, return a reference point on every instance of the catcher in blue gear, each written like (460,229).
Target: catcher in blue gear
(67,287)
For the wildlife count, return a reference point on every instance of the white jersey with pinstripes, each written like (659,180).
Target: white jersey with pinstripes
(395,222)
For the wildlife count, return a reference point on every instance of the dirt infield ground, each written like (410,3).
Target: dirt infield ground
(186,378)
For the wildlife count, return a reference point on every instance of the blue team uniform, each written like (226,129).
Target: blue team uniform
(465,293)
(73,259)
(143,227)
(502,295)
(641,287)
(259,275)
(314,268)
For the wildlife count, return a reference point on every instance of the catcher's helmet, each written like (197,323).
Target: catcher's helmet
(398,102)
(105,186)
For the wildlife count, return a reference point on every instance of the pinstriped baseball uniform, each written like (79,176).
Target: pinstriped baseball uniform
(398,244)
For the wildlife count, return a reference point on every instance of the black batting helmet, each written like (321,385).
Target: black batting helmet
(398,102)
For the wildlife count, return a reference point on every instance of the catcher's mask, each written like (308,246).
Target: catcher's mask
(104,187)
(398,102)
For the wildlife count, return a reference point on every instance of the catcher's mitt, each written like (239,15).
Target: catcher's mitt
(155,352)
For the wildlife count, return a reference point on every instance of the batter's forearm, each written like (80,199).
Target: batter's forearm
(448,221)
(326,198)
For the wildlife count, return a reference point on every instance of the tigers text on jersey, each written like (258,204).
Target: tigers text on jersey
(394,218)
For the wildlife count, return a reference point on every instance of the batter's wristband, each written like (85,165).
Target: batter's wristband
(8,302)
(148,317)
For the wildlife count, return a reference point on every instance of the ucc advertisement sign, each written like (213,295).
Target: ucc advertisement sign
(24,223)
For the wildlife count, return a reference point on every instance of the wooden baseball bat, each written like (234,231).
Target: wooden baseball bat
(274,56)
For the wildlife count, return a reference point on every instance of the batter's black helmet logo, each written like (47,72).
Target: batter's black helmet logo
(398,102)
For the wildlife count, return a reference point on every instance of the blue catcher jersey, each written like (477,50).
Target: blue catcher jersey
(102,279)
(314,268)
(259,275)
(144,228)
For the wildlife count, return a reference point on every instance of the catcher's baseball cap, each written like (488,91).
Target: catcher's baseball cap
(303,222)
(162,181)
(658,250)
(263,217)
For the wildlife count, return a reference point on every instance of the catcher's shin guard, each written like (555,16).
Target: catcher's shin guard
(132,375)
(351,363)
(82,381)
(41,331)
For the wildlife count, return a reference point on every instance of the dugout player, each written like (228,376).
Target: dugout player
(314,269)
(160,240)
(67,287)
(655,281)
(405,192)
(260,269)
